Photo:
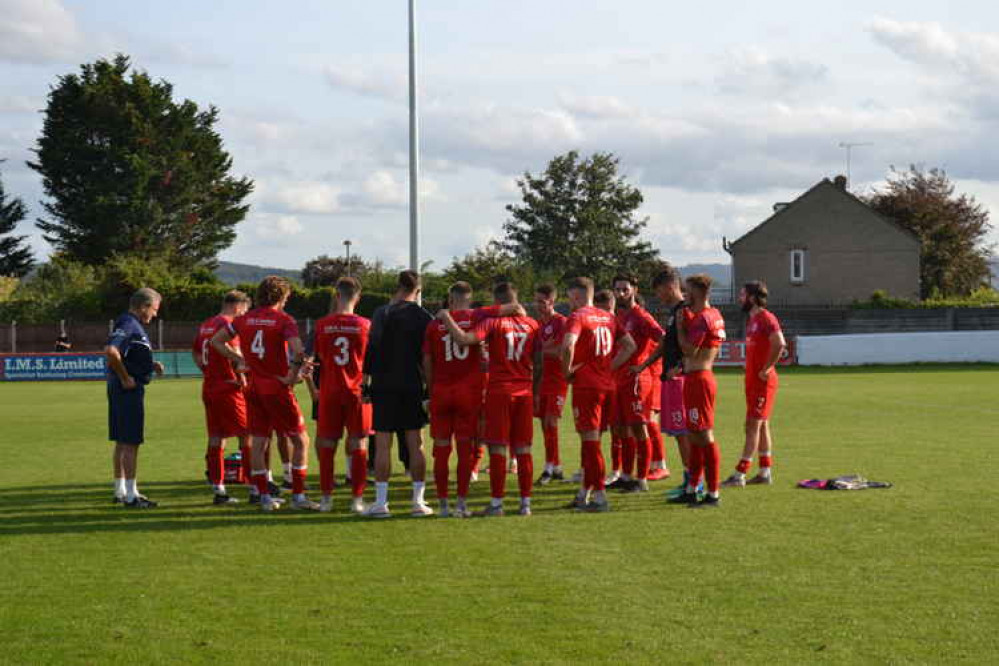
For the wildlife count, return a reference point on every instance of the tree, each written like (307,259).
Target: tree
(15,257)
(130,171)
(324,270)
(578,218)
(954,256)
(483,267)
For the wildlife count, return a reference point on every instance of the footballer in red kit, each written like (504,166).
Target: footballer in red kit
(266,334)
(222,394)
(590,337)
(551,390)
(764,346)
(341,341)
(700,335)
(454,375)
(634,391)
(509,402)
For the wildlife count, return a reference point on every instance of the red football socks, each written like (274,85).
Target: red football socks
(643,454)
(743,466)
(497,475)
(656,441)
(712,466)
(326,470)
(628,456)
(478,452)
(696,455)
(260,481)
(466,458)
(298,479)
(766,460)
(551,445)
(215,465)
(358,472)
(525,473)
(442,457)
(594,467)
(617,444)
(245,463)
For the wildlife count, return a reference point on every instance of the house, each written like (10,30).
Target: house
(827,247)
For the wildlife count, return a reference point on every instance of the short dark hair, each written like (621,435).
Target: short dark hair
(348,287)
(668,274)
(409,281)
(581,282)
(603,296)
(625,277)
(271,290)
(234,297)
(757,289)
(546,289)
(460,288)
(701,281)
(505,292)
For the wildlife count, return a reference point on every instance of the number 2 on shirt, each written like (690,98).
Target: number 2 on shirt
(603,341)
(257,346)
(515,341)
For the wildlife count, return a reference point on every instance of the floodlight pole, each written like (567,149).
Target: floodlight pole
(849,150)
(414,147)
(346,244)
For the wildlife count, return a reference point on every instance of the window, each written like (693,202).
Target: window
(797,266)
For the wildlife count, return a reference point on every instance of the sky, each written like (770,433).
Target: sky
(716,110)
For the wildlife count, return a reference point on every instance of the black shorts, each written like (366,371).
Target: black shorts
(126,414)
(398,410)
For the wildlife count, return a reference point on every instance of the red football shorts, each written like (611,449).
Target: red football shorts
(454,411)
(592,408)
(760,397)
(343,410)
(633,402)
(509,419)
(550,404)
(699,391)
(225,413)
(274,412)
(657,403)
(673,416)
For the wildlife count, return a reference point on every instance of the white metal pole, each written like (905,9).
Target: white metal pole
(414,147)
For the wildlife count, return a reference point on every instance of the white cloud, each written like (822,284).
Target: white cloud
(596,106)
(975,55)
(754,72)
(37,31)
(366,82)
(19,104)
(310,197)
(275,228)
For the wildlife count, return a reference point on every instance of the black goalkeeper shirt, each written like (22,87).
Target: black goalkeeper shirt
(672,354)
(394,358)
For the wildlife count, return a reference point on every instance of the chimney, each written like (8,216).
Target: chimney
(840,182)
(779,206)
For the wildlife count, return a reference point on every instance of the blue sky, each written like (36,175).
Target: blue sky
(717,110)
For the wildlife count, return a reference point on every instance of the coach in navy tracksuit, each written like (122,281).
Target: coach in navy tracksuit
(130,366)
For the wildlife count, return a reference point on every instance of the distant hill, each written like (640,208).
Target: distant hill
(233,273)
(720,273)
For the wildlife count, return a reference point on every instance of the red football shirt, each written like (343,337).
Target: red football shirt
(510,341)
(550,336)
(597,331)
(263,339)
(758,332)
(453,363)
(646,331)
(705,328)
(219,375)
(341,340)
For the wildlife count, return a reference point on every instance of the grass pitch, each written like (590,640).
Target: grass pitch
(779,575)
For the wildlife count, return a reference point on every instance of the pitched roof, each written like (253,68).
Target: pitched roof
(825,182)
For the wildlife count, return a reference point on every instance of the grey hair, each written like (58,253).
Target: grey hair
(143,297)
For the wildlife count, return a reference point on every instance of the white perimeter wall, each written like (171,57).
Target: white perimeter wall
(887,348)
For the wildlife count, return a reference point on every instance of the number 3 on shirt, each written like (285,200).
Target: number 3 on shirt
(257,346)
(603,341)
(343,344)
(515,342)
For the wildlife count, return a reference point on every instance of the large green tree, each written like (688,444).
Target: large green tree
(129,171)
(15,256)
(953,229)
(578,217)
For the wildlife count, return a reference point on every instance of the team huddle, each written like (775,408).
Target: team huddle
(480,376)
